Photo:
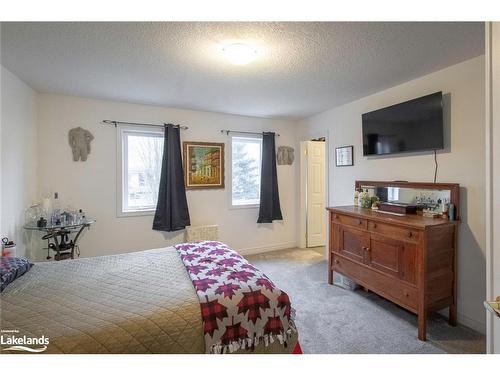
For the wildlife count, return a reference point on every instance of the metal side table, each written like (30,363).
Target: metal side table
(59,238)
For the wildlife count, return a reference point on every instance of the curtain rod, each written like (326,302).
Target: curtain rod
(242,132)
(115,123)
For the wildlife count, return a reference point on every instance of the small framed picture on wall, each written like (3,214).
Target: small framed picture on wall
(343,156)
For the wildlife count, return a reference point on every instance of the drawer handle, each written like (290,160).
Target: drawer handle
(410,234)
(374,225)
(407,294)
(336,216)
(365,248)
(360,222)
(337,261)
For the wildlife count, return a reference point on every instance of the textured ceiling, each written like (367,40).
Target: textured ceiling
(302,68)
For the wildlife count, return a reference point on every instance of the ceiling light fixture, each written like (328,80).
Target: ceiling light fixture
(240,53)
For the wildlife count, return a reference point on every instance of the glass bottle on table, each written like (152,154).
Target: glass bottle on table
(56,210)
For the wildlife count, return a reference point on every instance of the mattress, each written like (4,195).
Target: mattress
(141,302)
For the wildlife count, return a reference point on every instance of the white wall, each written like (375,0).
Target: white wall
(91,185)
(19,156)
(463,162)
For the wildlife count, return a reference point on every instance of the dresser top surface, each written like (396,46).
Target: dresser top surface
(410,219)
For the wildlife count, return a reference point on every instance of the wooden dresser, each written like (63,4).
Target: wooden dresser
(410,260)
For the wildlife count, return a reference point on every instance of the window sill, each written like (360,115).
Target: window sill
(136,213)
(243,206)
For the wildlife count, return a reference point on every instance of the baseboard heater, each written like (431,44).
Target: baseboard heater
(202,233)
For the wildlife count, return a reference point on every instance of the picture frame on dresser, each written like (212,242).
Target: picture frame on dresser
(344,156)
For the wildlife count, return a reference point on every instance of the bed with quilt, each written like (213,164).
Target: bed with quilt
(191,298)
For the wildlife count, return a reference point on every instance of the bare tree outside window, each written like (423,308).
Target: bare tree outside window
(144,152)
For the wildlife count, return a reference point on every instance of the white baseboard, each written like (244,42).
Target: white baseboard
(267,248)
(468,322)
(472,323)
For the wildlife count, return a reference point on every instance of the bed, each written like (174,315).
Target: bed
(141,302)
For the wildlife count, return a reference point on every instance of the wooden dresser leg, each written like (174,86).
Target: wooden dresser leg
(452,315)
(422,326)
(330,269)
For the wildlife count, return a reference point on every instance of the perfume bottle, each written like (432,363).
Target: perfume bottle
(451,211)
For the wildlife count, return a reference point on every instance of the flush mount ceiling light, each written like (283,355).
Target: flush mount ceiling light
(240,53)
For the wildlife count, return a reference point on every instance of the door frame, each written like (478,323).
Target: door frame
(303,185)
(492,155)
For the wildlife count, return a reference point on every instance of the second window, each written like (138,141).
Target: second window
(246,160)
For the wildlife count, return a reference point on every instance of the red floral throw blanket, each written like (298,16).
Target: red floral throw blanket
(240,306)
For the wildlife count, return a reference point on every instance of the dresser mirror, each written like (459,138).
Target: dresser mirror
(426,198)
(423,195)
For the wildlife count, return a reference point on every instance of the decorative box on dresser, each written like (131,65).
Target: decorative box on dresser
(409,260)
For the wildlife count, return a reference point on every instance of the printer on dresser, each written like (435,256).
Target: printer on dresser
(409,259)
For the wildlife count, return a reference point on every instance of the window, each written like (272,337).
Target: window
(246,154)
(140,164)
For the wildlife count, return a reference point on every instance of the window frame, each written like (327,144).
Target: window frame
(121,163)
(230,174)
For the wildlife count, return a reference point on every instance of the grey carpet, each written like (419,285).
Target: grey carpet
(333,320)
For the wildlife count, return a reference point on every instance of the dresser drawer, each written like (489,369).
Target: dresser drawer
(350,220)
(399,233)
(386,286)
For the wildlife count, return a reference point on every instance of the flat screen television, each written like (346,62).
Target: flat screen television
(415,125)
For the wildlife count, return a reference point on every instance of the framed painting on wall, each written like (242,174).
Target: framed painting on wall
(343,156)
(203,165)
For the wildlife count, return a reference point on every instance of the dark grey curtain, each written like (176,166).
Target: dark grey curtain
(171,210)
(269,197)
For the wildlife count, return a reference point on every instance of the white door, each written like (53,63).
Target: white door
(315,191)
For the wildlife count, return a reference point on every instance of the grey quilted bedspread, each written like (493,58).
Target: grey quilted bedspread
(141,302)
